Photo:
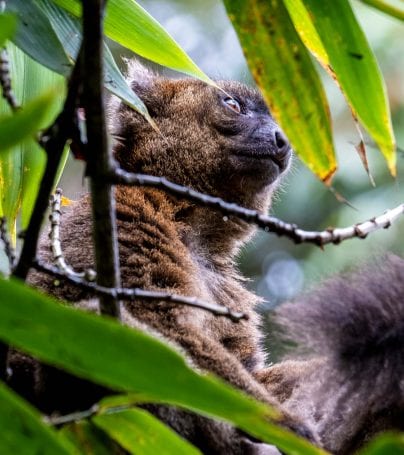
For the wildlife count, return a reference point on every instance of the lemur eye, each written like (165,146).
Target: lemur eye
(232,104)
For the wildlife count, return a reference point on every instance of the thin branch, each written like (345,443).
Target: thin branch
(5,81)
(56,246)
(5,238)
(53,141)
(99,157)
(265,222)
(86,414)
(386,8)
(136,293)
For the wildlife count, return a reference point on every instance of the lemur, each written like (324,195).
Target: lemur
(224,142)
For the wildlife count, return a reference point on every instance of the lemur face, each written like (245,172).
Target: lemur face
(222,141)
(255,145)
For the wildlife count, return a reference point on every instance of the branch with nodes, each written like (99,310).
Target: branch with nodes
(5,238)
(86,414)
(5,79)
(265,222)
(131,294)
(55,244)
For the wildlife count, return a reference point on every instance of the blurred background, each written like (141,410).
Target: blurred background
(277,268)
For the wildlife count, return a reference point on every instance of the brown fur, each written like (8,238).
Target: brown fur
(173,245)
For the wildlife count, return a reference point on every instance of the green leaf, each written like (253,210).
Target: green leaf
(22,431)
(22,166)
(131,26)
(129,360)
(36,36)
(88,439)
(351,63)
(288,80)
(68,30)
(25,122)
(386,444)
(8,25)
(139,432)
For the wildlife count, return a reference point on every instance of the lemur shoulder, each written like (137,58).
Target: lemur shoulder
(224,143)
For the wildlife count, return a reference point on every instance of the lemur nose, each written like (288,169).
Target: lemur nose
(281,143)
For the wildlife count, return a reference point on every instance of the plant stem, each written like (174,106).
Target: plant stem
(99,157)
(384,7)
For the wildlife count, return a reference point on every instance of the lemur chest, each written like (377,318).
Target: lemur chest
(241,338)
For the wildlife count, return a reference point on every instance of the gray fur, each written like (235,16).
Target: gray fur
(354,325)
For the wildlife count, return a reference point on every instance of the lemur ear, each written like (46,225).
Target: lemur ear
(142,80)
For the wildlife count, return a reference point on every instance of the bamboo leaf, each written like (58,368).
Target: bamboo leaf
(88,439)
(351,63)
(288,80)
(22,431)
(8,25)
(131,26)
(139,432)
(386,444)
(22,166)
(36,36)
(68,30)
(128,360)
(27,121)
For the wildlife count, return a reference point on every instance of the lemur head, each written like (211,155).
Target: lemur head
(221,142)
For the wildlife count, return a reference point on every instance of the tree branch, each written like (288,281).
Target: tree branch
(5,81)
(56,247)
(265,222)
(99,157)
(8,247)
(386,8)
(136,293)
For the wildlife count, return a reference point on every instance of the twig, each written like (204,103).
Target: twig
(136,293)
(99,157)
(86,414)
(5,81)
(56,247)
(386,8)
(70,418)
(53,141)
(8,247)
(265,222)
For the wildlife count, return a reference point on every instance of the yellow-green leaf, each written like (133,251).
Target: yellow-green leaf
(25,122)
(351,63)
(8,25)
(22,431)
(386,444)
(141,433)
(129,360)
(286,75)
(127,23)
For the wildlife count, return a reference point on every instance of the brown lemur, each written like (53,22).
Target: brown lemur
(224,143)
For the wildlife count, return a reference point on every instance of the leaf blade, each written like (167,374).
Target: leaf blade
(352,63)
(68,30)
(27,121)
(33,26)
(22,430)
(8,26)
(290,84)
(128,359)
(139,432)
(127,23)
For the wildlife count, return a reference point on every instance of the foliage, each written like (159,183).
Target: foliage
(46,42)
